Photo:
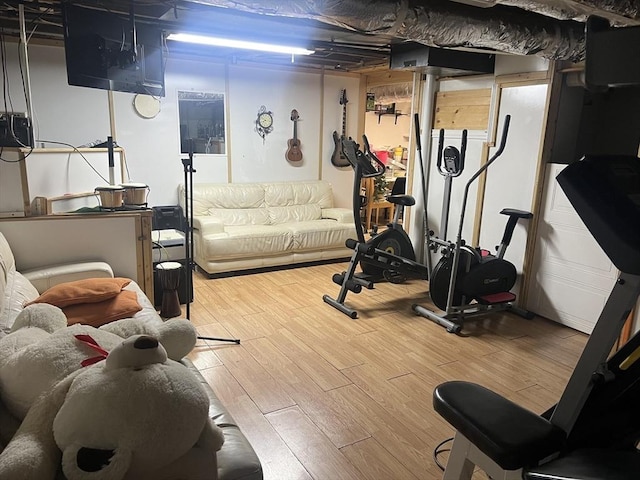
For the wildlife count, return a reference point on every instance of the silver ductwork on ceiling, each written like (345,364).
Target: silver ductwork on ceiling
(618,12)
(437,23)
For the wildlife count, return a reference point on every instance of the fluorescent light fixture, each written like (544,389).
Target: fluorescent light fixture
(226,42)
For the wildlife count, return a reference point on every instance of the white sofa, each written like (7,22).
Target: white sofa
(246,226)
(236,460)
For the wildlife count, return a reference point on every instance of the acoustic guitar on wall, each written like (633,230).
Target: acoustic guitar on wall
(294,154)
(338,159)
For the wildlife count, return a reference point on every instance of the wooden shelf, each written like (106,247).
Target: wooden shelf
(395,114)
(67,150)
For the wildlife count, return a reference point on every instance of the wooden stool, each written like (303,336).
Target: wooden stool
(169,276)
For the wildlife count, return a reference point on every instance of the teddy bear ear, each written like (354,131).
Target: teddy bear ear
(40,315)
(178,336)
(136,351)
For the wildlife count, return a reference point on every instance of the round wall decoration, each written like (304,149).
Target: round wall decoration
(264,122)
(147,106)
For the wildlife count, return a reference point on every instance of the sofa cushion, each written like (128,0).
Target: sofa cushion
(225,196)
(243,241)
(319,234)
(294,213)
(43,278)
(7,265)
(18,291)
(123,305)
(240,216)
(90,290)
(280,194)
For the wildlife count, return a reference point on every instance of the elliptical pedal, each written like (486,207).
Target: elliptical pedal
(496,298)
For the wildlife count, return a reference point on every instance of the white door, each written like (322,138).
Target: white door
(572,276)
(511,179)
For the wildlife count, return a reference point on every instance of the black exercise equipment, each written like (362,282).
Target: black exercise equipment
(597,419)
(469,281)
(388,255)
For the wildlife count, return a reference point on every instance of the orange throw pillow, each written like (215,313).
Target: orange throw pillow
(90,290)
(123,305)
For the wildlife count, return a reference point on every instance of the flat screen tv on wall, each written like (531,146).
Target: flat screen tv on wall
(101,52)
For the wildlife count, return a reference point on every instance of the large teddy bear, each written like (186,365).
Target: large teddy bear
(102,406)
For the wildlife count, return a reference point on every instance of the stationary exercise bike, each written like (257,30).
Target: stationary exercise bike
(387,256)
(471,281)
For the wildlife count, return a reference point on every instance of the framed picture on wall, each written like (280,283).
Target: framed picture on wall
(202,121)
(371,102)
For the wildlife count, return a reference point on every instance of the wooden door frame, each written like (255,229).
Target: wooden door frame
(502,82)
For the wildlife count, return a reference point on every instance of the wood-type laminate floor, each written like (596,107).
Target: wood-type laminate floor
(321,396)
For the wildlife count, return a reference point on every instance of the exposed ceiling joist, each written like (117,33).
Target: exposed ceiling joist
(356,34)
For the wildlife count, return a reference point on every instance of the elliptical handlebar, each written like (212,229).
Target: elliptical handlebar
(494,157)
(463,150)
(503,139)
(440,147)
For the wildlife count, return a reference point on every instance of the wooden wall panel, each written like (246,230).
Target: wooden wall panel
(463,109)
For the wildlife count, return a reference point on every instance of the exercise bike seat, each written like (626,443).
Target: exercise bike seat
(509,434)
(512,212)
(405,200)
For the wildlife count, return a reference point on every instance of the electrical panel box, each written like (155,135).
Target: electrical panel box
(15,130)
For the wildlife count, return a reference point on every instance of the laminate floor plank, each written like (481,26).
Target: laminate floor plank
(314,450)
(321,409)
(277,460)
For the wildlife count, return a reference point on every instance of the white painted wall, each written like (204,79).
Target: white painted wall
(332,121)
(78,115)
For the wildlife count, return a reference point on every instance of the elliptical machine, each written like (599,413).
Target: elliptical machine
(388,255)
(469,281)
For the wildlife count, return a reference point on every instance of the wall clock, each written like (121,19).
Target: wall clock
(147,106)
(264,122)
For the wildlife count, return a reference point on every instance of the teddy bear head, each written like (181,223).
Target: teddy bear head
(41,350)
(134,414)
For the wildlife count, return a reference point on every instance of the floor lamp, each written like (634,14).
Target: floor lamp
(189,263)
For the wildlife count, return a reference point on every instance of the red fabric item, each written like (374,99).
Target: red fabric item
(90,342)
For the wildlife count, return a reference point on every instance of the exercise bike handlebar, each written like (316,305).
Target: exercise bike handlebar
(378,166)
(367,164)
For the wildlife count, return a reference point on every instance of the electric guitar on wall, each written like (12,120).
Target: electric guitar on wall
(294,154)
(338,159)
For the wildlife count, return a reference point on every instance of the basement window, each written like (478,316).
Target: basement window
(202,122)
